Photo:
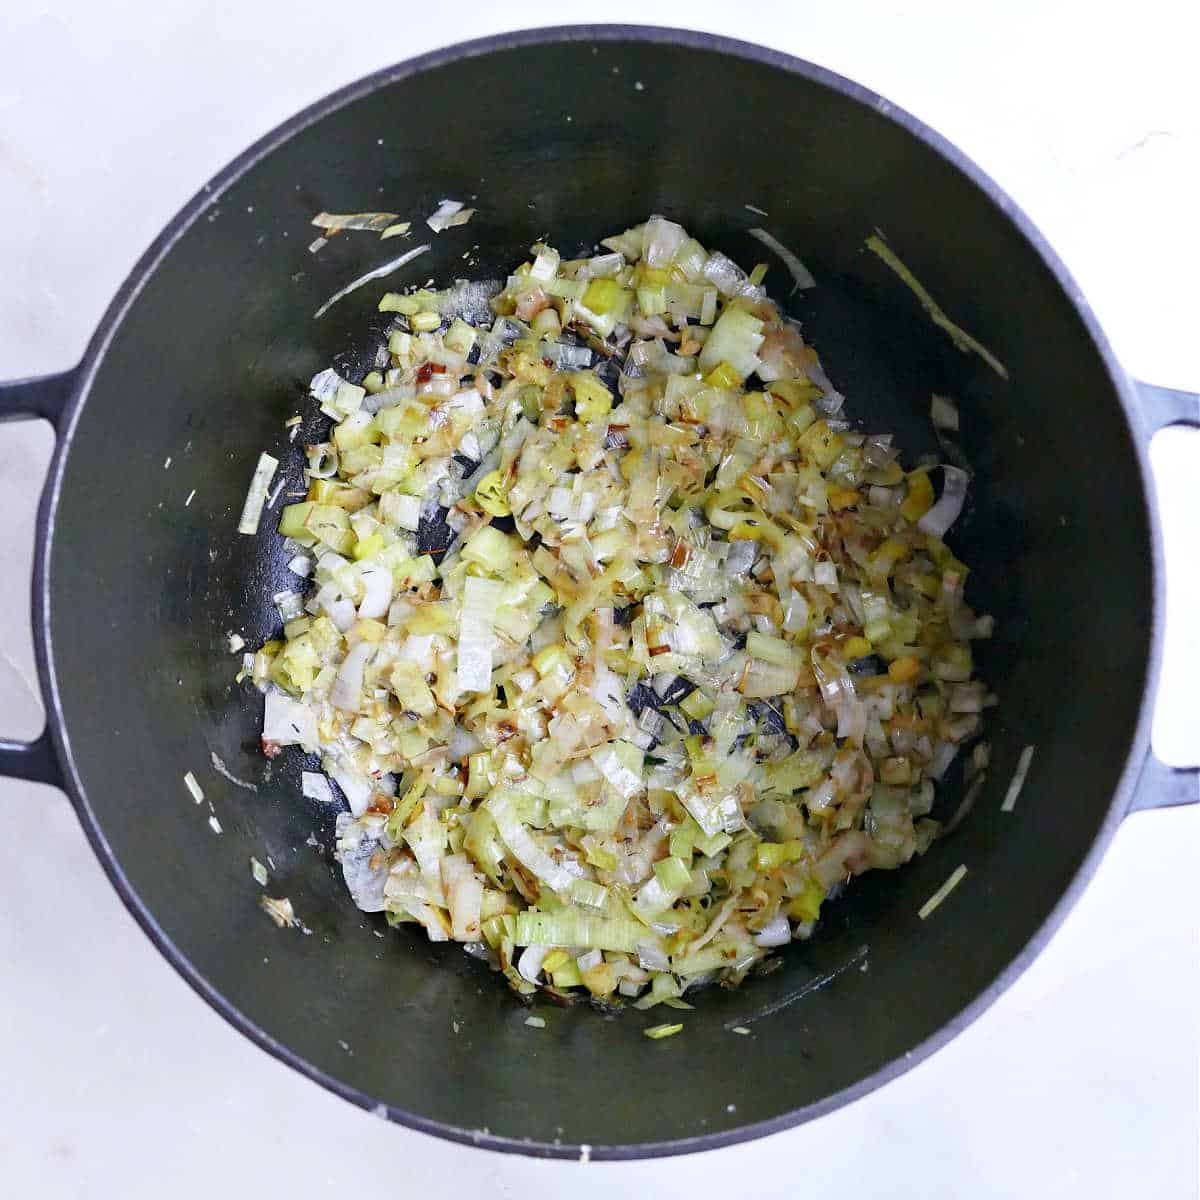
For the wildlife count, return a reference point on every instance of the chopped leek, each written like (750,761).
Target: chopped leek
(801,276)
(449,213)
(956,876)
(378,273)
(376,222)
(959,336)
(256,497)
(655,1032)
(1018,780)
(571,927)
(619,664)
(476,634)
(734,342)
(279,910)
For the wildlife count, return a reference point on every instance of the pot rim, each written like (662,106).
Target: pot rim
(208,195)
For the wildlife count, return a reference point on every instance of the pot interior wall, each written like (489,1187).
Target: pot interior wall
(574,140)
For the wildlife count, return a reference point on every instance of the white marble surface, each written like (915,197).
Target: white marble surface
(116,1080)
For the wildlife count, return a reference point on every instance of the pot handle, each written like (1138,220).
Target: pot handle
(1162,786)
(45,397)
(1166,406)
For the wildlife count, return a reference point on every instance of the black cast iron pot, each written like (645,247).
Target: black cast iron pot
(205,352)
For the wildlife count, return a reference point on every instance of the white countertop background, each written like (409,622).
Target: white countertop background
(116,1080)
